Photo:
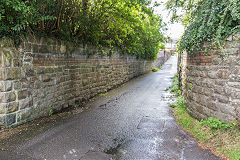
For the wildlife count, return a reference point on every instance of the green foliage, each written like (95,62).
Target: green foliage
(182,10)
(15,17)
(234,154)
(103,94)
(50,112)
(175,87)
(190,86)
(207,21)
(190,124)
(162,46)
(155,69)
(75,106)
(180,102)
(128,25)
(215,123)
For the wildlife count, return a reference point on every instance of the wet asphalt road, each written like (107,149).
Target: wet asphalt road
(132,122)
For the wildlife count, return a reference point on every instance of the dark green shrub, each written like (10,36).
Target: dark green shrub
(129,26)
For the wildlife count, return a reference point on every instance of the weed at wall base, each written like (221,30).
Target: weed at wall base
(155,69)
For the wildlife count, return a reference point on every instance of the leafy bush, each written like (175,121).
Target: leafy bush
(16,16)
(215,123)
(175,87)
(155,69)
(180,102)
(127,25)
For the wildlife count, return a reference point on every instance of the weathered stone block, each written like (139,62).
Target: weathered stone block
(27,47)
(224,74)
(7,119)
(222,99)
(7,58)
(6,108)
(17,85)
(227,109)
(40,70)
(62,49)
(6,43)
(11,73)
(220,82)
(199,109)
(17,63)
(219,90)
(213,74)
(208,91)
(5,86)
(234,84)
(46,78)
(224,117)
(25,103)
(23,94)
(235,95)
(25,115)
(6,97)
(216,60)
(43,49)
(35,48)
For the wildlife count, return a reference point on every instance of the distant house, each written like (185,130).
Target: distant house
(171,46)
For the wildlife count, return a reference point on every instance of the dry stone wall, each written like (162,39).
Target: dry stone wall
(45,74)
(211,83)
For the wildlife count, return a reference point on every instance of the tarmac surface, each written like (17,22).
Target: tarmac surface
(133,122)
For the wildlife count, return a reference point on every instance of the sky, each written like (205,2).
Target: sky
(174,30)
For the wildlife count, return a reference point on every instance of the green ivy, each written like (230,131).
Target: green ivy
(207,21)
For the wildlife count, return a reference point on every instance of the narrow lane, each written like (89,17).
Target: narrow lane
(132,122)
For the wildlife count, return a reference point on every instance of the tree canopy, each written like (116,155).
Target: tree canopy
(129,25)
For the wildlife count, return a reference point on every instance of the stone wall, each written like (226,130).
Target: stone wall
(211,83)
(45,74)
(162,57)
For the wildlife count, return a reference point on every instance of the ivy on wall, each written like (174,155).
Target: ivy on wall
(206,20)
(129,25)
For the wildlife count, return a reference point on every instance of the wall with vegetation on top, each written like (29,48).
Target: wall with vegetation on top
(45,74)
(211,83)
(162,57)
